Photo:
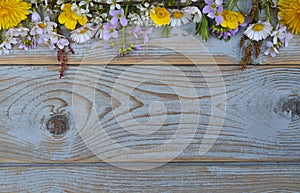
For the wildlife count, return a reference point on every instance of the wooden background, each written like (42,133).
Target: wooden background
(258,149)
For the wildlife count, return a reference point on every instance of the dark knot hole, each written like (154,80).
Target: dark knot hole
(58,125)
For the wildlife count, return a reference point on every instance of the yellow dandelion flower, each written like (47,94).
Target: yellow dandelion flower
(12,12)
(160,16)
(70,18)
(232,19)
(289,12)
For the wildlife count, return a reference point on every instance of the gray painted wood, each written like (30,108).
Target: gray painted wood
(162,179)
(261,120)
(261,125)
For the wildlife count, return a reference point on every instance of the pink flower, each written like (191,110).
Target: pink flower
(118,15)
(214,10)
(62,42)
(272,50)
(139,31)
(109,31)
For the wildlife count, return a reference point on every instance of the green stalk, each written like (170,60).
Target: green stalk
(123,36)
(268,12)
(27,22)
(230,4)
(123,27)
(237,6)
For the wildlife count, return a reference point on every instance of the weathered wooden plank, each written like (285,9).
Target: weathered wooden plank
(261,120)
(166,49)
(162,179)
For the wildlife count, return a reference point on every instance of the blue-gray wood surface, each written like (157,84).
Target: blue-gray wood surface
(256,150)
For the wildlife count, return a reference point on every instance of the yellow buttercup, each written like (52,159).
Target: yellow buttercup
(160,16)
(232,19)
(70,18)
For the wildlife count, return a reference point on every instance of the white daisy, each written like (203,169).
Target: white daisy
(82,34)
(195,11)
(179,17)
(99,30)
(259,31)
(43,27)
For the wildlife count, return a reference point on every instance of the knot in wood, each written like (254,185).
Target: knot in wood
(58,125)
(291,105)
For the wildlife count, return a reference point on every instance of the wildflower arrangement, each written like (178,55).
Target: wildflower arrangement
(58,24)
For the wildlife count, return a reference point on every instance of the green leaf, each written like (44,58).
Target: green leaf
(202,28)
(166,31)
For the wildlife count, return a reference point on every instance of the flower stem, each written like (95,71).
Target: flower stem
(254,11)
(230,4)
(123,36)
(123,27)
(268,12)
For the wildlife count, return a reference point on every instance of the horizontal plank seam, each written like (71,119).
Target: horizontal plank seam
(182,164)
(130,64)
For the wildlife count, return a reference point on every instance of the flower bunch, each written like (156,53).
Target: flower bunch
(57,24)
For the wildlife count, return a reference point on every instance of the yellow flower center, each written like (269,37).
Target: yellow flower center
(177,15)
(230,17)
(258,27)
(83,31)
(217,14)
(42,25)
(160,13)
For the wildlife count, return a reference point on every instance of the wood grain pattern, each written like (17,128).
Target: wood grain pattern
(143,106)
(163,179)
(222,52)
(261,123)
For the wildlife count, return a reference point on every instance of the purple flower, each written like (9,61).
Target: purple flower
(42,27)
(15,32)
(281,35)
(272,50)
(109,31)
(116,16)
(28,43)
(274,4)
(3,50)
(218,18)
(35,17)
(214,10)
(62,42)
(36,30)
(8,42)
(139,31)
(226,34)
(136,47)
(107,46)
